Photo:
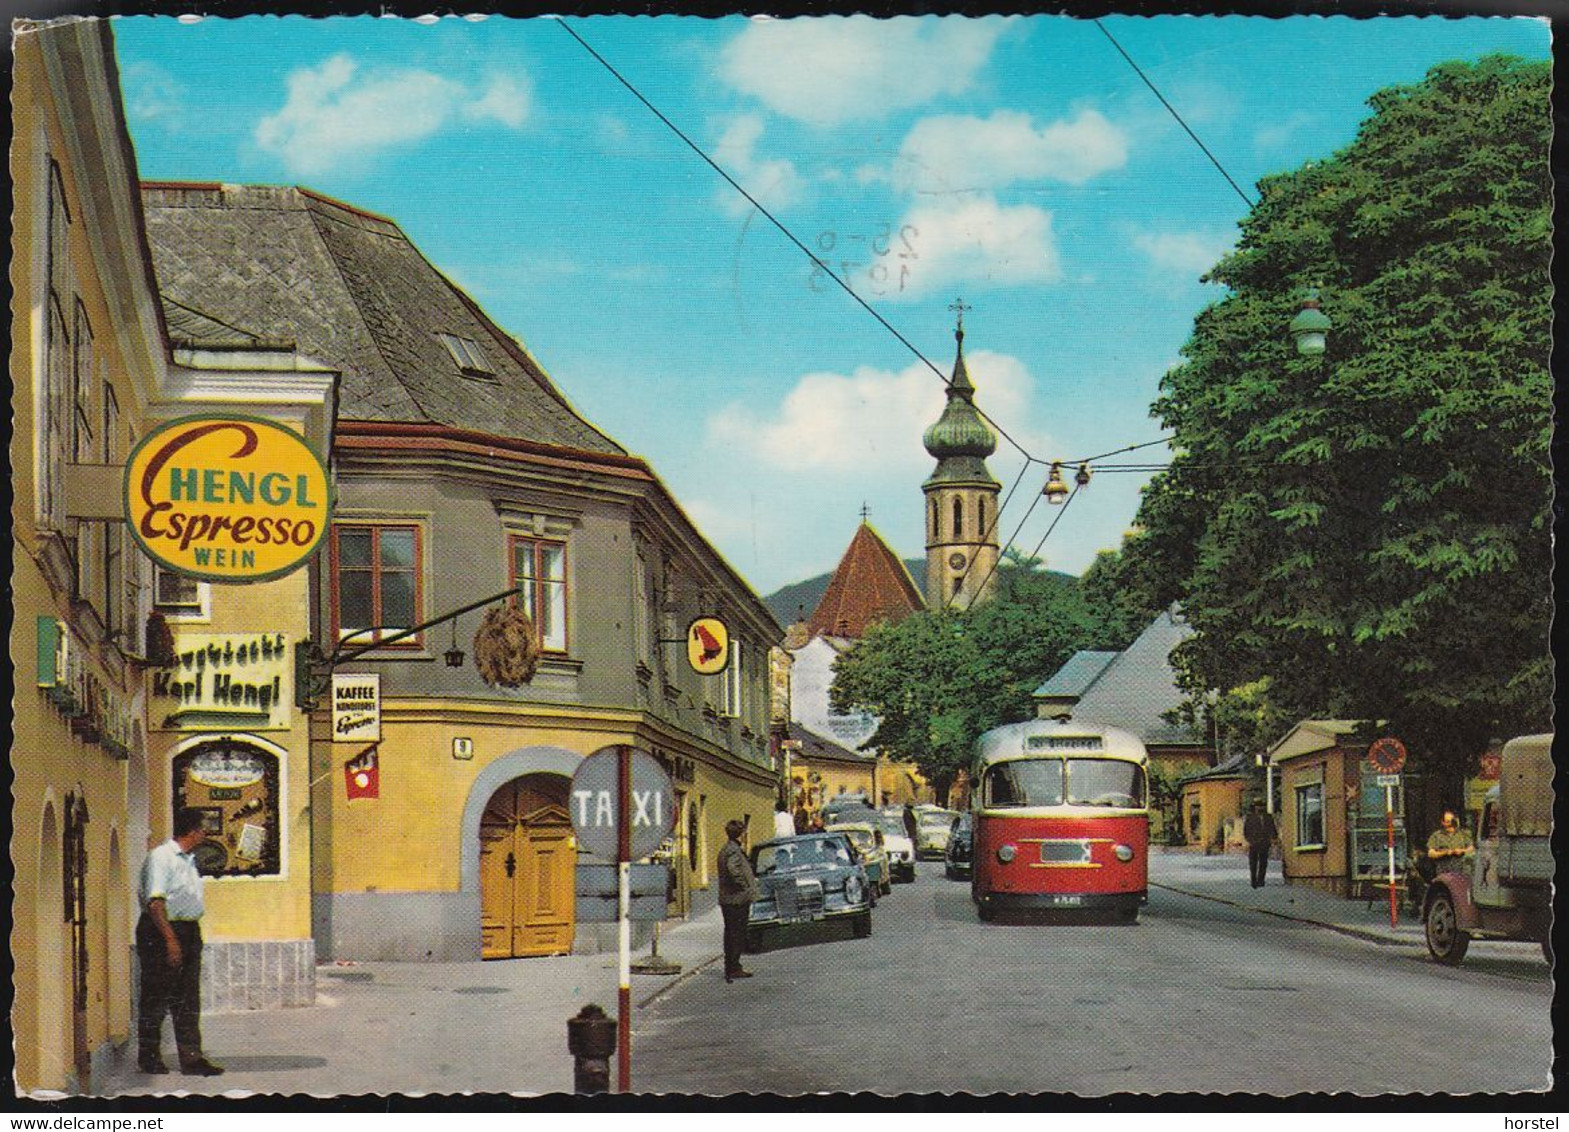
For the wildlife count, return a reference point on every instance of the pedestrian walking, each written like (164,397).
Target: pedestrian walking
(169,947)
(803,821)
(1258,830)
(784,824)
(737,890)
(910,824)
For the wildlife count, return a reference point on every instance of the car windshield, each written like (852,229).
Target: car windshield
(939,818)
(892,826)
(1104,782)
(806,852)
(1025,782)
(863,838)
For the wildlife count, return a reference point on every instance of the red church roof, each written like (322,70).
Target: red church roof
(870,585)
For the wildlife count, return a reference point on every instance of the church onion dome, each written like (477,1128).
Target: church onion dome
(960,431)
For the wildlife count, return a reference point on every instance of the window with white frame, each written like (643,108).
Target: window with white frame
(642,612)
(732,683)
(539,571)
(1310,816)
(54,403)
(176,596)
(82,373)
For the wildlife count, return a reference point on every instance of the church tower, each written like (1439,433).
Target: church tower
(961,497)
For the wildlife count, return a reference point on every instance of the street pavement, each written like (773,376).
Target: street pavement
(1221,987)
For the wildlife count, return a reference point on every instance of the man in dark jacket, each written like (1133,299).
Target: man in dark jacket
(737,890)
(1258,830)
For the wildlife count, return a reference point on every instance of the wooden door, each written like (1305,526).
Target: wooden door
(527,869)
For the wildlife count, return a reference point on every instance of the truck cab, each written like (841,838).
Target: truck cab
(1506,892)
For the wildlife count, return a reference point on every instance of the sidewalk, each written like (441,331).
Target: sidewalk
(416,1028)
(1224,878)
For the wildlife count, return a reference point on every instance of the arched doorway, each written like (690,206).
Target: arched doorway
(54,1032)
(526,869)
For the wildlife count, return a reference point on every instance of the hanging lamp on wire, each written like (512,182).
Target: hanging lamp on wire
(1056,490)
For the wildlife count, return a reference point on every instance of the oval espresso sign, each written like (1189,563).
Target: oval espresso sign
(226,499)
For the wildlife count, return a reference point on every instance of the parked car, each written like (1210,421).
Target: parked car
(1505,891)
(811,878)
(868,842)
(957,861)
(898,846)
(931,831)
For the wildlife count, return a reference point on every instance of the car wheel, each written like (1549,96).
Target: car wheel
(887,887)
(862,925)
(1446,939)
(985,913)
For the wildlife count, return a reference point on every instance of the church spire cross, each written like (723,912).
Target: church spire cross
(960,306)
(866,512)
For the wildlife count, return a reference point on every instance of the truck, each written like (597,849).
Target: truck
(1507,890)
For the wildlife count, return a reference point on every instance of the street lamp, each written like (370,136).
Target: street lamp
(454,655)
(1055,491)
(1311,326)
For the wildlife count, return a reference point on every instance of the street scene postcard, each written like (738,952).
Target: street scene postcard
(781,555)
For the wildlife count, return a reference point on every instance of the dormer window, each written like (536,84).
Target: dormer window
(471,360)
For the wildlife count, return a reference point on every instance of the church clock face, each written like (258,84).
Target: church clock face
(956,561)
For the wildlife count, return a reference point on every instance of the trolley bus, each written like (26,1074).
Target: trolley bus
(1061,819)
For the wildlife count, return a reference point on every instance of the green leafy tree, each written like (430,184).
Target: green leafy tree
(1371,528)
(938,680)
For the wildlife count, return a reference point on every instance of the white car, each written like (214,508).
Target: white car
(901,850)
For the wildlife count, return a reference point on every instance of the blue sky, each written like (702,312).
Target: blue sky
(1019,163)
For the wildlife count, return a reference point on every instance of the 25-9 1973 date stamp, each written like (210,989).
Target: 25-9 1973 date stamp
(886,273)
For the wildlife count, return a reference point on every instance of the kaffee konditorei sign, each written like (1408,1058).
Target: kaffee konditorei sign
(227,498)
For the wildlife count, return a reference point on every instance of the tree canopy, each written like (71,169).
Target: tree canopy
(1370,528)
(938,680)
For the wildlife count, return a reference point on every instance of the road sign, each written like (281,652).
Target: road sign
(595,804)
(1389,780)
(707,645)
(598,888)
(1387,755)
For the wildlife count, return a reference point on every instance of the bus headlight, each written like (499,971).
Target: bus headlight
(1006,853)
(1123,853)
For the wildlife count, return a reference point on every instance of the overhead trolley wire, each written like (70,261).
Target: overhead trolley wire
(1215,161)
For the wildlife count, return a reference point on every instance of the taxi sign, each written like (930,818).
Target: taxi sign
(226,498)
(593,803)
(1388,755)
(707,645)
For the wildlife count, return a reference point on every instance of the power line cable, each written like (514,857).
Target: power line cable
(1215,161)
(789,235)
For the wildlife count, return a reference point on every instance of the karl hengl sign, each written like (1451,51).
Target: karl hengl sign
(225,680)
(226,499)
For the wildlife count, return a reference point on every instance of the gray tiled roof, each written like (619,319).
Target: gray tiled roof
(1077,674)
(815,746)
(351,291)
(1139,685)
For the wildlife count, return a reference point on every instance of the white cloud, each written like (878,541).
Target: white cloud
(957,152)
(1186,253)
(869,422)
(832,70)
(151,91)
(335,112)
(775,183)
(975,240)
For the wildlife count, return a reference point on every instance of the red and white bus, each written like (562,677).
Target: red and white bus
(1061,819)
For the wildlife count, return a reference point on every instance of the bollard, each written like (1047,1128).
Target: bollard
(591,1039)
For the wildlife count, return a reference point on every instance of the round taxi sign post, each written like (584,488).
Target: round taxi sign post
(1388,757)
(622,806)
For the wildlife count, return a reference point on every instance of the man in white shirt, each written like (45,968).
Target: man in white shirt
(169,946)
(784,824)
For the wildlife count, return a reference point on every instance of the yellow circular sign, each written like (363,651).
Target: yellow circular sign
(227,498)
(707,645)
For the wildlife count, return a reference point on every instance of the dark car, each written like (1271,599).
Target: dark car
(810,878)
(958,859)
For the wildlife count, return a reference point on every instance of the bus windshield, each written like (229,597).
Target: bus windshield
(1089,782)
(1032,782)
(1102,782)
